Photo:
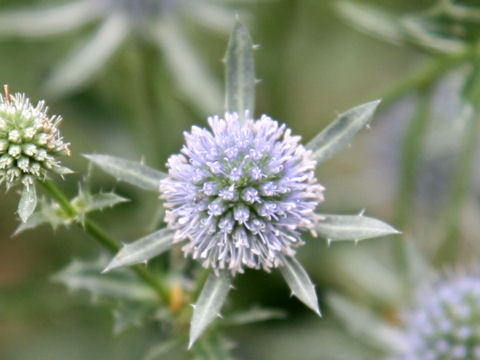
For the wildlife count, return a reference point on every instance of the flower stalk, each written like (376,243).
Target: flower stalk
(96,232)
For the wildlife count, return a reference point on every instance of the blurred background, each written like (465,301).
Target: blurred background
(311,65)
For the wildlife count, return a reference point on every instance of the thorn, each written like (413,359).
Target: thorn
(356,242)
(329,242)
(6,89)
(232,287)
(193,305)
(362,212)
(258,81)
(220,315)
(368,126)
(223,60)
(256,46)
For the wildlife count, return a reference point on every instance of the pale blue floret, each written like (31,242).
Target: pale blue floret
(445,323)
(241,194)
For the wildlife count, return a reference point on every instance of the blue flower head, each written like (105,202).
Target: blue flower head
(241,194)
(445,323)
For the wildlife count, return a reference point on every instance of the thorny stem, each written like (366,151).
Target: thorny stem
(107,241)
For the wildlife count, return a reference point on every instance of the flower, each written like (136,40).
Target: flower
(30,141)
(445,321)
(241,193)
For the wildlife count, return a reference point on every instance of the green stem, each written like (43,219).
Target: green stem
(106,241)
(448,249)
(423,77)
(412,145)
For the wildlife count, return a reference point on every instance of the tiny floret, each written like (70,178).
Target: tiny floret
(445,323)
(30,141)
(241,194)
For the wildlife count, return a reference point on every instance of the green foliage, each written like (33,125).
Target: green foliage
(142,250)
(209,303)
(352,227)
(300,283)
(341,131)
(86,275)
(129,171)
(240,72)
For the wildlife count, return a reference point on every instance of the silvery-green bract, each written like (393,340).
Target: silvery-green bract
(241,193)
(445,322)
(30,141)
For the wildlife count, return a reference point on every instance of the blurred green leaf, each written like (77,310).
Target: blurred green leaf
(48,21)
(371,20)
(209,303)
(193,77)
(299,283)
(163,350)
(364,323)
(341,131)
(240,72)
(86,60)
(129,171)
(420,35)
(352,227)
(127,315)
(142,250)
(86,275)
(27,203)
(213,347)
(253,315)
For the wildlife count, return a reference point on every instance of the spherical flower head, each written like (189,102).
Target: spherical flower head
(445,323)
(241,193)
(29,141)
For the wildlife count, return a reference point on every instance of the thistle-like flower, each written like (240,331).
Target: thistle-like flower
(241,193)
(30,141)
(445,322)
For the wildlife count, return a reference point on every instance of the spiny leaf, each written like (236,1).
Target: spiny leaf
(299,283)
(27,203)
(341,131)
(142,250)
(86,275)
(100,201)
(352,227)
(240,72)
(129,171)
(209,303)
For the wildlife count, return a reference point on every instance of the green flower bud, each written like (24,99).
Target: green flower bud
(30,142)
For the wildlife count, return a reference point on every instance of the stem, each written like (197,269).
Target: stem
(423,77)
(412,144)
(107,241)
(448,249)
